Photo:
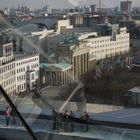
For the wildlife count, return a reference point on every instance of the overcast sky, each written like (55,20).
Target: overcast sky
(59,3)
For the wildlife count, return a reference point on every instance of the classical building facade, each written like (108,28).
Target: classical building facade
(72,63)
(56,74)
(76,54)
(81,55)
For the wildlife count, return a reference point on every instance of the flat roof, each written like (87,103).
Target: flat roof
(135,90)
(57,65)
(126,116)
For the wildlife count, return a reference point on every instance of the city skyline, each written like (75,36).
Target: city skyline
(61,4)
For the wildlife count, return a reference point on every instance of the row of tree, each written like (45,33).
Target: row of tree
(111,87)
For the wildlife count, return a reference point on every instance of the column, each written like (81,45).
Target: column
(45,75)
(64,77)
(83,56)
(66,74)
(70,75)
(88,62)
(57,78)
(86,65)
(77,68)
(51,78)
(80,65)
(74,72)
(61,79)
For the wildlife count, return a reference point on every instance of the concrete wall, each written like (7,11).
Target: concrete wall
(93,108)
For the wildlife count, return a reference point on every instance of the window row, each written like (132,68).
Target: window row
(21,78)
(9,82)
(27,61)
(7,68)
(21,87)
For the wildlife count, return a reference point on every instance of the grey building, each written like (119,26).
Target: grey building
(93,8)
(126,6)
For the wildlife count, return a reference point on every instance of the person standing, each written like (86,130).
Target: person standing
(58,122)
(72,117)
(66,121)
(54,117)
(7,115)
(82,120)
(86,117)
(61,119)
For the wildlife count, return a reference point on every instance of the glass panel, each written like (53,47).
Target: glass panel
(69,72)
(50,124)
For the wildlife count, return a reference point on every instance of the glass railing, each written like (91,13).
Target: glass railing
(47,127)
(73,130)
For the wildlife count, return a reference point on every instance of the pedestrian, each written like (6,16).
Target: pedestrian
(13,116)
(86,118)
(54,117)
(72,117)
(7,115)
(58,122)
(61,119)
(82,120)
(66,121)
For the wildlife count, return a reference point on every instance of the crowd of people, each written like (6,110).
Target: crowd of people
(66,122)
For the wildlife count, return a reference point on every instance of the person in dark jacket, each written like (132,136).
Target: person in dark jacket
(13,114)
(54,117)
(66,121)
(86,118)
(72,117)
(7,115)
(82,119)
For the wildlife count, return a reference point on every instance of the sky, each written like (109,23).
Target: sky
(36,4)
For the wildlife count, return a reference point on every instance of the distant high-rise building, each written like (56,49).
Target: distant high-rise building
(47,9)
(126,7)
(93,8)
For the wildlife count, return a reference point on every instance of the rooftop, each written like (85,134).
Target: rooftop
(135,90)
(24,55)
(126,116)
(61,65)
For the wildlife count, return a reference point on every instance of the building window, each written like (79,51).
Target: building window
(33,76)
